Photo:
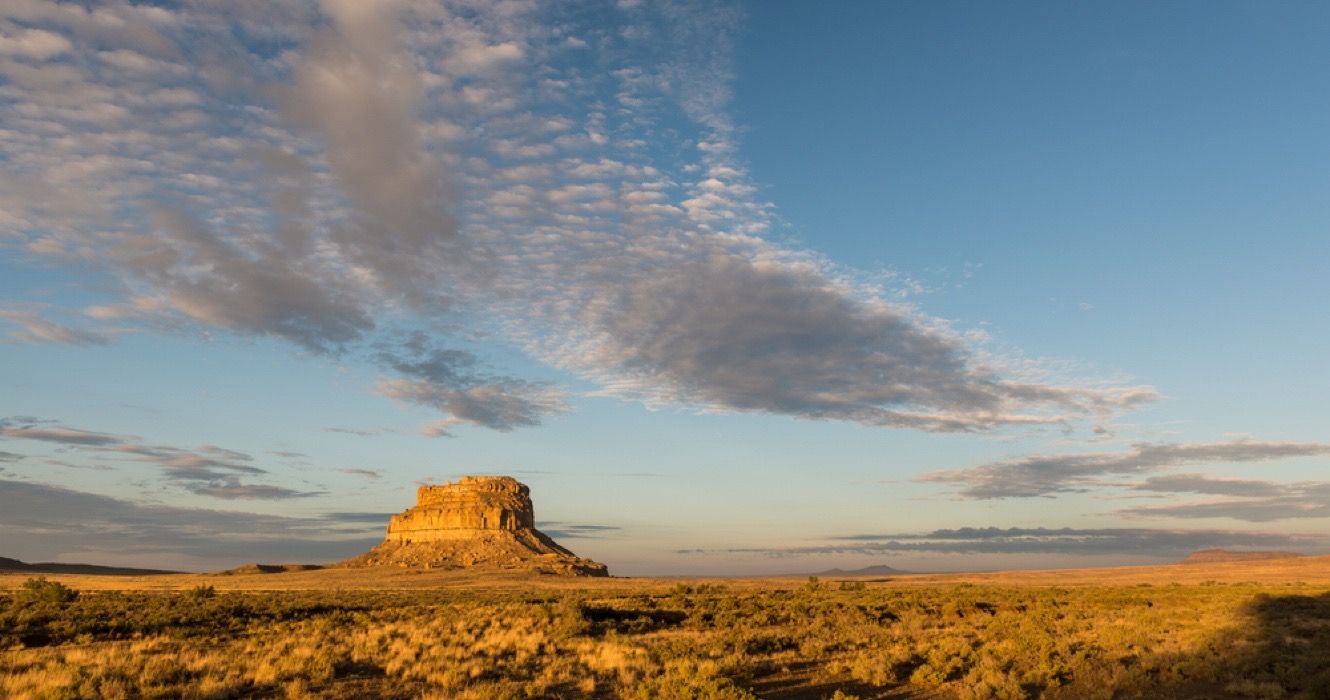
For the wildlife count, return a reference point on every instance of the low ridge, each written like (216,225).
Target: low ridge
(874,570)
(1211,556)
(479,521)
(49,567)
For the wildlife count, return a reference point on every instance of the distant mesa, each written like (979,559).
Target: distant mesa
(270,569)
(477,522)
(875,570)
(1213,556)
(11,565)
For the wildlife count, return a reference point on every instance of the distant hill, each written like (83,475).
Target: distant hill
(270,569)
(876,570)
(1212,556)
(12,565)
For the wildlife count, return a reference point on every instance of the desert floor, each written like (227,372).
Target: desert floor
(1223,630)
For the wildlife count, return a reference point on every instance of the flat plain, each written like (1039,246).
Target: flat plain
(1221,630)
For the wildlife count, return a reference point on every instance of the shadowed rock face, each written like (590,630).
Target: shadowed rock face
(479,521)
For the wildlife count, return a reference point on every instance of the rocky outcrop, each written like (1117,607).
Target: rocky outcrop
(451,511)
(1211,556)
(479,521)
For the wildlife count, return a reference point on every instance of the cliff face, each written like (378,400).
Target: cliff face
(474,503)
(479,521)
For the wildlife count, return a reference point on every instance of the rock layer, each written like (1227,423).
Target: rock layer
(474,503)
(479,521)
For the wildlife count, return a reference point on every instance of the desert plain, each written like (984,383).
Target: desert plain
(1253,629)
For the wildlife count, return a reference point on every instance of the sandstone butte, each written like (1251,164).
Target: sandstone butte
(477,522)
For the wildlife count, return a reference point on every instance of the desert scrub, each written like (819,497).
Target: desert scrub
(1238,641)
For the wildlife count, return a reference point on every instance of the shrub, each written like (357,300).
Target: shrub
(199,593)
(41,591)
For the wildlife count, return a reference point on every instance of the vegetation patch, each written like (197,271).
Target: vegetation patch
(811,641)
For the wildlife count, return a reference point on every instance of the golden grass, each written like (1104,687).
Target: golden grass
(1310,570)
(1228,630)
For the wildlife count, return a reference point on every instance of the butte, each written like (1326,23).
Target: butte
(483,522)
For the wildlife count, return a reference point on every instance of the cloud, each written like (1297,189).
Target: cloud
(1200,483)
(1239,499)
(572,531)
(208,470)
(448,380)
(426,166)
(358,517)
(10,457)
(361,432)
(991,540)
(23,428)
(35,329)
(230,488)
(367,473)
(1046,475)
(780,336)
(478,58)
(33,43)
(45,523)
(260,290)
(358,91)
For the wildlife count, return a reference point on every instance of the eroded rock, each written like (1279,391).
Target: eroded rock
(479,521)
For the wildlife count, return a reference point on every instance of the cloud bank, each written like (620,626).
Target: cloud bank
(1045,475)
(208,470)
(1103,541)
(562,180)
(36,520)
(1250,500)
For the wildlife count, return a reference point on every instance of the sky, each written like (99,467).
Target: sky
(735,288)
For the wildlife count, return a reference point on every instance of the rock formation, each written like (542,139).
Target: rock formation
(480,521)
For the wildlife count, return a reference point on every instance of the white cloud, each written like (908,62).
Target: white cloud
(33,43)
(479,58)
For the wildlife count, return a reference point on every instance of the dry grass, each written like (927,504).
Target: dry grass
(1240,630)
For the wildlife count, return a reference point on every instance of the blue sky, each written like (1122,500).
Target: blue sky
(755,288)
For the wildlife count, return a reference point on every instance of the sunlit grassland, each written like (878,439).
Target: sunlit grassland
(909,637)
